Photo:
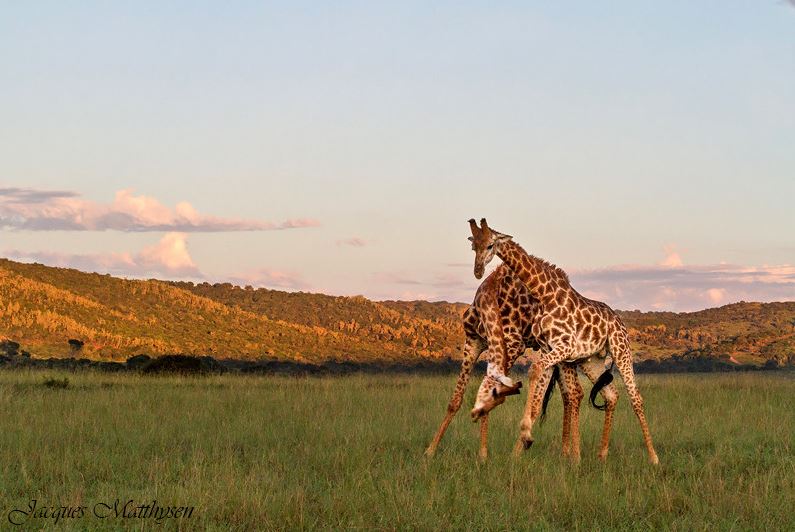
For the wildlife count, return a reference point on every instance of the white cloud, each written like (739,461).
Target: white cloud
(168,258)
(38,210)
(267,278)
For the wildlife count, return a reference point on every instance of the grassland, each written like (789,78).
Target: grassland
(346,453)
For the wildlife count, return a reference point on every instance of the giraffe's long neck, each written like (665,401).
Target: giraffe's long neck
(532,271)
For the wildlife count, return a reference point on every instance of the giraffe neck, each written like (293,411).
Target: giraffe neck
(541,278)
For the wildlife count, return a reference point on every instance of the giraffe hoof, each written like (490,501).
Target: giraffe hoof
(527,444)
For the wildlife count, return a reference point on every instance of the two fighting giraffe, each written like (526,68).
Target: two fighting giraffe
(498,323)
(570,328)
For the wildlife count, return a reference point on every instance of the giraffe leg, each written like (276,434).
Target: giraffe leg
(492,393)
(538,379)
(593,369)
(493,322)
(574,390)
(620,349)
(472,350)
(566,437)
(483,453)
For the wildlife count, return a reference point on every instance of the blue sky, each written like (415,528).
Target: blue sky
(646,147)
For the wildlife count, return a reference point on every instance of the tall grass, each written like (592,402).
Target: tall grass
(293,453)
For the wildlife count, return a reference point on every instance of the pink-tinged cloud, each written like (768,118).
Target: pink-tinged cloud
(169,258)
(170,254)
(686,287)
(672,258)
(669,285)
(266,278)
(400,278)
(354,242)
(38,210)
(430,286)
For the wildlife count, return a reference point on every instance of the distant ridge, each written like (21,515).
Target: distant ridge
(43,307)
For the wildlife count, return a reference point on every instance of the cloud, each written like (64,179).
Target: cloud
(266,278)
(394,278)
(26,195)
(669,285)
(672,258)
(426,285)
(168,258)
(685,287)
(448,280)
(38,210)
(355,242)
(169,255)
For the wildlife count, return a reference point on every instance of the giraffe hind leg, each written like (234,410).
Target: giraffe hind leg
(624,362)
(592,371)
(574,390)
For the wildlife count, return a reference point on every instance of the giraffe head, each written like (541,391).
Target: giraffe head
(491,394)
(487,398)
(484,243)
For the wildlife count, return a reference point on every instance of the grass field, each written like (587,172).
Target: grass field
(292,453)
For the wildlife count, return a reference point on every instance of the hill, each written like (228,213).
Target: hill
(108,318)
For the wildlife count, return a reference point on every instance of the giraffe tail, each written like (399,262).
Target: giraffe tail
(603,380)
(548,393)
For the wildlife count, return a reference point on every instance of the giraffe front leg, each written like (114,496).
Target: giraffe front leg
(491,392)
(538,379)
(495,325)
(472,350)
(483,452)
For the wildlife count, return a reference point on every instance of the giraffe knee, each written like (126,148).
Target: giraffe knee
(576,396)
(637,403)
(454,406)
(611,397)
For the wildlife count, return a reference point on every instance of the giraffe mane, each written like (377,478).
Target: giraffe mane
(552,269)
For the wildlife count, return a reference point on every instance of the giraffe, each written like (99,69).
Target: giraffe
(498,322)
(571,326)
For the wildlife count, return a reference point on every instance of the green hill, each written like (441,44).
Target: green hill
(42,308)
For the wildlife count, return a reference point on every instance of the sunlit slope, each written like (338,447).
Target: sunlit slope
(43,307)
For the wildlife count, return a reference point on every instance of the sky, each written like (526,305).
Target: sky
(648,148)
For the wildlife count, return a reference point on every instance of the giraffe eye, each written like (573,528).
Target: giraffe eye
(491,246)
